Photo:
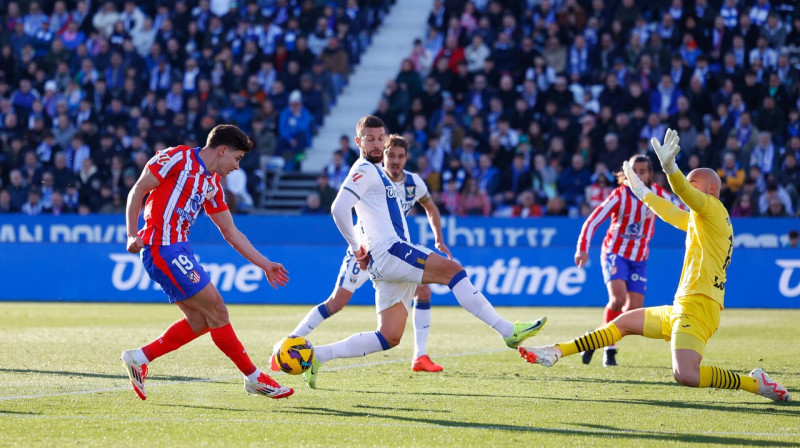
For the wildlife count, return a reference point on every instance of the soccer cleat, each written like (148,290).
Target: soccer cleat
(136,372)
(545,355)
(267,386)
(768,388)
(524,330)
(424,364)
(273,363)
(310,375)
(610,357)
(586,356)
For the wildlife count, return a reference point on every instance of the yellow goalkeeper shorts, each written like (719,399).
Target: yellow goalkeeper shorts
(688,323)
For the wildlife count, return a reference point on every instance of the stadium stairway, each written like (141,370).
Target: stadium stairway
(379,63)
(286,192)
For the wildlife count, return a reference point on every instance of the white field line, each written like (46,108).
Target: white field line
(157,383)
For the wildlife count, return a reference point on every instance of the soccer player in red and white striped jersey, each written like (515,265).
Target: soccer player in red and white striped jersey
(181,181)
(625,247)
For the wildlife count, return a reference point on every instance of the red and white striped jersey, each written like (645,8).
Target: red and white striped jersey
(632,224)
(185,187)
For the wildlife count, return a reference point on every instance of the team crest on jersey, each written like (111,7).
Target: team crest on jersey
(162,158)
(353,279)
(193,277)
(633,228)
(410,190)
(209,191)
(195,202)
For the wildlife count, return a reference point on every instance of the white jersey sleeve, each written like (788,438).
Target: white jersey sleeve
(420,189)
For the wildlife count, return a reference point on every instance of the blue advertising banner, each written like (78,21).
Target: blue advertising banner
(320,230)
(523,276)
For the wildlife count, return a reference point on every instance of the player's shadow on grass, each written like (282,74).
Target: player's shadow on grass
(101,375)
(762,407)
(605,432)
(388,408)
(614,381)
(19,412)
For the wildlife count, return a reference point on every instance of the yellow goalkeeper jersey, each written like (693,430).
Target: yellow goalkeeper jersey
(709,238)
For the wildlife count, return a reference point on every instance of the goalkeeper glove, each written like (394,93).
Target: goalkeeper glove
(666,152)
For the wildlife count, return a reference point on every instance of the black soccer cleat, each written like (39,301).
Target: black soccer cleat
(610,358)
(586,357)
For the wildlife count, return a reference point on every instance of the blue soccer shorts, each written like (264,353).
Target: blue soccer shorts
(176,269)
(633,272)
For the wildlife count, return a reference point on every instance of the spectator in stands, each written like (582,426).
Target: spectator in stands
(5,201)
(17,189)
(775,194)
(526,206)
(33,205)
(573,181)
(793,238)
(295,128)
(743,207)
(473,201)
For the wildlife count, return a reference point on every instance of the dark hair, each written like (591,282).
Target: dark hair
(368,121)
(620,175)
(794,234)
(396,140)
(229,135)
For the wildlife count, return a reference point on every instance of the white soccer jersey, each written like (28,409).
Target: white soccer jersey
(379,207)
(412,188)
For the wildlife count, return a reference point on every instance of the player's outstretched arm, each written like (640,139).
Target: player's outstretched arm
(146,183)
(435,220)
(275,272)
(666,153)
(665,209)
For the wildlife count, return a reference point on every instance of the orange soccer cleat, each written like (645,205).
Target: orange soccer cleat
(424,364)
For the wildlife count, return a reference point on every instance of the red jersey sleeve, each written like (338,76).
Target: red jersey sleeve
(215,200)
(166,161)
(600,213)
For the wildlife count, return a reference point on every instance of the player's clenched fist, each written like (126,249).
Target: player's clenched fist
(135,244)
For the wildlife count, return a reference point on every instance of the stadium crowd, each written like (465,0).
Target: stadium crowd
(89,91)
(512,108)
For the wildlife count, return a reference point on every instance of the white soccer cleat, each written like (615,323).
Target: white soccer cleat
(546,355)
(136,372)
(267,386)
(768,388)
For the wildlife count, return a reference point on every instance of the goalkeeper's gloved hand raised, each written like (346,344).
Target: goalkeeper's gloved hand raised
(636,185)
(667,151)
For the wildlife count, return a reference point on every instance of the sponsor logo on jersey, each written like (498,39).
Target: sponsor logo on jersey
(357,176)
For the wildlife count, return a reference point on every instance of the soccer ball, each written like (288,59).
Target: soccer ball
(295,355)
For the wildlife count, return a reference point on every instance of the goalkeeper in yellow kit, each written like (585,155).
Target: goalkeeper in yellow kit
(694,315)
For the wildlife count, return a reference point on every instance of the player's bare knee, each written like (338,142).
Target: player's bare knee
(423,294)
(684,378)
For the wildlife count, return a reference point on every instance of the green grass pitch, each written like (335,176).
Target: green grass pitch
(61,384)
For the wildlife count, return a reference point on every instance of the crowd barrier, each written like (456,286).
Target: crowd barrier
(515,262)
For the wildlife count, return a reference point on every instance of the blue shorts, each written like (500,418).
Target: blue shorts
(618,267)
(175,268)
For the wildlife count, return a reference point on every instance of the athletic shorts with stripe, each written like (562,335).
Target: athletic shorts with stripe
(396,272)
(688,323)
(176,269)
